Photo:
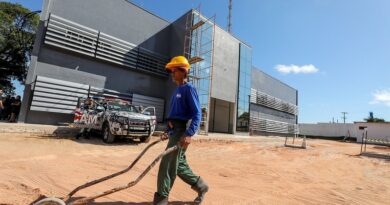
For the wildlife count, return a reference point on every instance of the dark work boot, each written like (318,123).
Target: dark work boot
(201,187)
(159,200)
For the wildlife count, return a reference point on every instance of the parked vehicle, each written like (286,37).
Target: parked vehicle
(115,118)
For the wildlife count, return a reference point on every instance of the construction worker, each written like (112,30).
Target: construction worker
(184,107)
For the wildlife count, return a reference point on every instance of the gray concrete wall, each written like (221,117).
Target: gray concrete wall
(177,33)
(27,94)
(69,74)
(120,19)
(225,66)
(118,78)
(272,86)
(176,39)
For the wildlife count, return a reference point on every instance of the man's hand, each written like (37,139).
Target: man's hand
(164,136)
(185,141)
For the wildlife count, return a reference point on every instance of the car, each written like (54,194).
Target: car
(115,118)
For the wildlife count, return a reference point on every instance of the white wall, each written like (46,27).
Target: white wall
(377,130)
(328,129)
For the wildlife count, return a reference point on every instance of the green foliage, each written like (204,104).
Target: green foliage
(17,33)
(371,118)
(244,115)
(374,119)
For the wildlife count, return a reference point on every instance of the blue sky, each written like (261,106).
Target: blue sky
(336,53)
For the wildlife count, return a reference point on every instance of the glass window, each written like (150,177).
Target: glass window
(246,107)
(241,78)
(205,99)
(201,99)
(241,93)
(244,90)
(245,67)
(246,94)
(248,81)
(196,18)
(207,46)
(207,83)
(202,69)
(241,64)
(240,112)
(245,51)
(206,55)
(250,69)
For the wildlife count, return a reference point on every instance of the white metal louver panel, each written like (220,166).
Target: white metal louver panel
(71,36)
(151,63)
(59,96)
(266,100)
(45,109)
(116,51)
(266,125)
(253,96)
(107,93)
(127,54)
(147,101)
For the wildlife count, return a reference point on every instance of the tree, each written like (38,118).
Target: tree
(371,118)
(17,33)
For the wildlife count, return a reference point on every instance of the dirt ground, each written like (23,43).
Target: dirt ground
(239,171)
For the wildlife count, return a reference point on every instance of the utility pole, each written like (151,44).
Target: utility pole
(344,117)
(229,27)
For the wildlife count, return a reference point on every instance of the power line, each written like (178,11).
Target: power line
(344,117)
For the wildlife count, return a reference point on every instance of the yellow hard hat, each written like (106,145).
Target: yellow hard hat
(178,62)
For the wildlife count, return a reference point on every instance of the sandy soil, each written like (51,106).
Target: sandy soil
(242,171)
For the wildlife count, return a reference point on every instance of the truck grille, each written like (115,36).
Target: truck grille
(137,123)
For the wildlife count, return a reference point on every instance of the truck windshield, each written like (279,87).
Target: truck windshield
(122,107)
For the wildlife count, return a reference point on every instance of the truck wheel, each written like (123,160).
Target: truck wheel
(145,139)
(50,201)
(108,137)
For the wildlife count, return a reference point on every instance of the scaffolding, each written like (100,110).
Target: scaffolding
(199,50)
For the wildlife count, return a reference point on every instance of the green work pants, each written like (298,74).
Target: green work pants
(174,164)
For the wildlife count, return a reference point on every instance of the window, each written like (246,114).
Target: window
(244,91)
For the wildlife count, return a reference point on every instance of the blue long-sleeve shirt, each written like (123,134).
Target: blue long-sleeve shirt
(185,105)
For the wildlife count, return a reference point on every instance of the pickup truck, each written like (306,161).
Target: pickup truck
(115,118)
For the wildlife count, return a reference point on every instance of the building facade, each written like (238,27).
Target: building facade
(118,49)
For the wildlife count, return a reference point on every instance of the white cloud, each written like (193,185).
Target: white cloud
(381,97)
(286,69)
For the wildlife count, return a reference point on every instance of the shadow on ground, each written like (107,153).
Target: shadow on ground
(91,139)
(119,202)
(141,203)
(376,155)
(64,133)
